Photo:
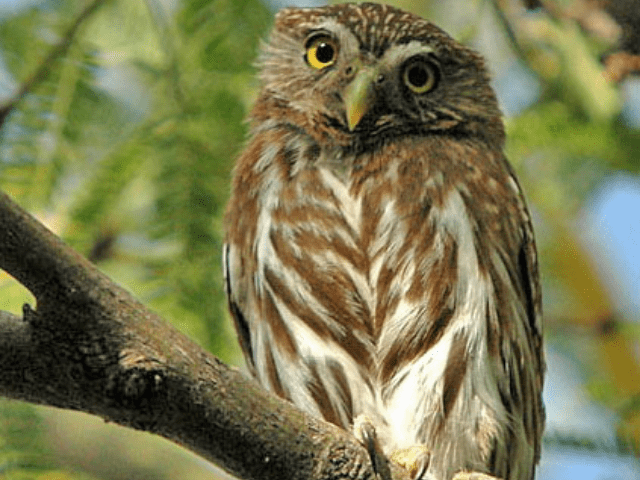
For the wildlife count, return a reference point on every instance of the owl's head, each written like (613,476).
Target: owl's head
(355,74)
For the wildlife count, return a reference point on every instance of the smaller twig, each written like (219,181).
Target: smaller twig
(502,15)
(57,51)
(620,65)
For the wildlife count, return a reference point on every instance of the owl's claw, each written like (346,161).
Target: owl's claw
(473,476)
(365,432)
(415,460)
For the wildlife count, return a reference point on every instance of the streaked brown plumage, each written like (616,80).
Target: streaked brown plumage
(379,254)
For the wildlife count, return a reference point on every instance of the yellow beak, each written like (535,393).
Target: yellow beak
(358,98)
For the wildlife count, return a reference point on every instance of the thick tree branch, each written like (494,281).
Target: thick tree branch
(91,346)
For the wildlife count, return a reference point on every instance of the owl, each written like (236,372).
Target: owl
(379,255)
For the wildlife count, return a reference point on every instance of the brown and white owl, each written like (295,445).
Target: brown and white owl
(380,260)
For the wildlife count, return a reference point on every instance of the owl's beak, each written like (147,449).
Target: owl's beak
(358,97)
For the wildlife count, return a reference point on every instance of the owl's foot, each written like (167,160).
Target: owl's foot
(415,460)
(473,476)
(365,432)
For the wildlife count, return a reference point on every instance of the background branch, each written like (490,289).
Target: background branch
(44,68)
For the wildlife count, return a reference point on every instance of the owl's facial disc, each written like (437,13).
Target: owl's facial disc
(401,77)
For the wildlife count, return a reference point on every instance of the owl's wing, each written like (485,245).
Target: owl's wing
(528,268)
(527,372)
(233,290)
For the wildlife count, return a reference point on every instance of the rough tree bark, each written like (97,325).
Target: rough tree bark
(90,346)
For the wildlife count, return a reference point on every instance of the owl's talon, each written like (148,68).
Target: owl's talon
(473,476)
(365,432)
(415,460)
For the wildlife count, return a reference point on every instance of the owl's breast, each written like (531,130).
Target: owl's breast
(315,235)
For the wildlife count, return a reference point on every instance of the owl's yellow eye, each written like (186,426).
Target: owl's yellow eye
(420,76)
(322,51)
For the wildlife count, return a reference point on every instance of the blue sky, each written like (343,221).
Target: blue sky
(611,222)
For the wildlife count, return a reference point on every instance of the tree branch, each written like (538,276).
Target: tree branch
(91,346)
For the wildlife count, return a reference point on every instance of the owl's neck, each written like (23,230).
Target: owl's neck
(440,155)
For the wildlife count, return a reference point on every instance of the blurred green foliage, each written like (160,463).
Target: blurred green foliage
(125,149)
(25,453)
(129,141)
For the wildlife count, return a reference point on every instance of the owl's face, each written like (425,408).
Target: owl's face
(357,74)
